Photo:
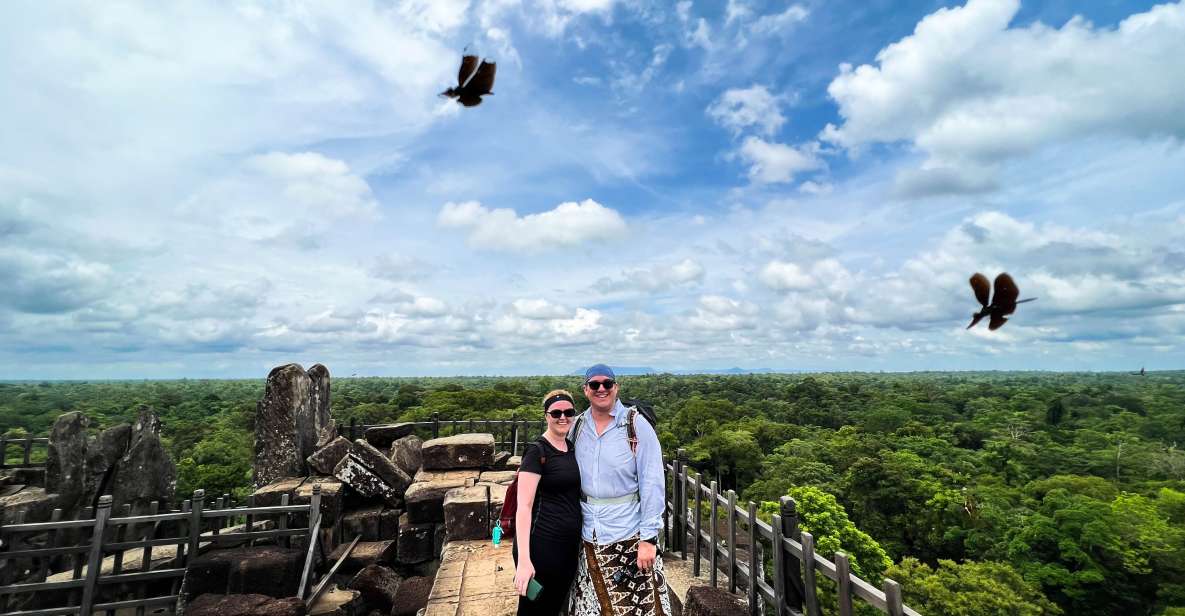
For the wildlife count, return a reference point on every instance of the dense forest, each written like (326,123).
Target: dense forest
(982,493)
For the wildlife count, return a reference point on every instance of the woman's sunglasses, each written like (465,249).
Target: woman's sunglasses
(607,384)
(562,413)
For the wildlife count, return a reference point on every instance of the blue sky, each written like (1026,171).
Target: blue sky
(209,190)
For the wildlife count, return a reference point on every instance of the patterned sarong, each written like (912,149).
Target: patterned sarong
(595,593)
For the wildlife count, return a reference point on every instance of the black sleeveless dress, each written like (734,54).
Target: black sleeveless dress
(555,526)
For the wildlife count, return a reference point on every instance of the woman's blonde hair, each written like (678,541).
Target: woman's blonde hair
(557,394)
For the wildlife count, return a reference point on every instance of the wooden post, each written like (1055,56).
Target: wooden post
(146,563)
(435,425)
(353,429)
(792,570)
(51,541)
(780,607)
(695,539)
(679,503)
(472,426)
(95,561)
(732,541)
(314,530)
(218,504)
(121,532)
(756,571)
(810,598)
(183,556)
(843,571)
(195,522)
(713,556)
(893,598)
(3,452)
(28,447)
(282,523)
(250,518)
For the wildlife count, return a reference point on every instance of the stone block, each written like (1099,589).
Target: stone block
(29,476)
(412,596)
(325,459)
(380,465)
(365,553)
(366,523)
(244,605)
(469,513)
(389,523)
(416,542)
(332,495)
(352,471)
(425,500)
(514,462)
(456,475)
(407,454)
(499,477)
(709,601)
(460,451)
(338,602)
(382,436)
(271,494)
(271,570)
(29,505)
(500,458)
(378,586)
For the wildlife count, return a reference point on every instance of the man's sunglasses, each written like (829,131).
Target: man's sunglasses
(556,414)
(595,385)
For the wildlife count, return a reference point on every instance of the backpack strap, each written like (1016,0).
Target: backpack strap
(575,431)
(631,431)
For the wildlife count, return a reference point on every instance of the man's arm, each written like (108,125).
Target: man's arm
(652,487)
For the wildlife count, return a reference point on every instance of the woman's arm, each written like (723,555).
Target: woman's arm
(528,483)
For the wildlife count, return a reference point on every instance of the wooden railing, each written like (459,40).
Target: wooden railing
(794,587)
(26,446)
(176,536)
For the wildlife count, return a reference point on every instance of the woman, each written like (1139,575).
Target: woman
(547,522)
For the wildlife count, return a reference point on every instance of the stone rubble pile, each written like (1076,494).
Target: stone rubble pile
(404,499)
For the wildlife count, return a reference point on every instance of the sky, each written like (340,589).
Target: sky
(209,190)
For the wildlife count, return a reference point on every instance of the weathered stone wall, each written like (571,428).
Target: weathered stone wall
(289,420)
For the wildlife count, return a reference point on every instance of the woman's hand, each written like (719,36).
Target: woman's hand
(523,576)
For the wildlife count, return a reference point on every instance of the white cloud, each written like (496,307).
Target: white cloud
(657,277)
(719,313)
(771,162)
(969,91)
(815,188)
(568,224)
(539,309)
(784,276)
(741,108)
(780,23)
(280,197)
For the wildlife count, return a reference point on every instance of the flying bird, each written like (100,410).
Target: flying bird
(474,81)
(1001,305)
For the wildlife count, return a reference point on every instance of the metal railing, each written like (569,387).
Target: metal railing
(794,588)
(93,550)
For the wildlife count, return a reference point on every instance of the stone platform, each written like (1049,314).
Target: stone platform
(475,579)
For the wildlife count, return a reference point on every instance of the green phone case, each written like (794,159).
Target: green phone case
(533,589)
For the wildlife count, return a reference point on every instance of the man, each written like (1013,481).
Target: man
(623,496)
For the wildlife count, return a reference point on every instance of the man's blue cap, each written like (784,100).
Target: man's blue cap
(598,370)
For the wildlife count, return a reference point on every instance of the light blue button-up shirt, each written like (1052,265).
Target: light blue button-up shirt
(609,469)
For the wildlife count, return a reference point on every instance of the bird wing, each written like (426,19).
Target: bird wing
(997,321)
(483,79)
(468,70)
(982,288)
(1006,294)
